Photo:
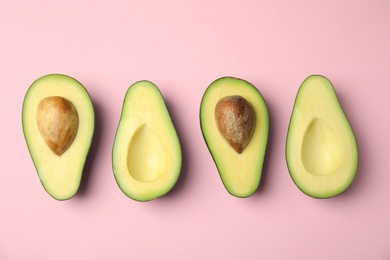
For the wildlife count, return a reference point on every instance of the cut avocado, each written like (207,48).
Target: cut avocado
(146,154)
(58,125)
(235,123)
(321,149)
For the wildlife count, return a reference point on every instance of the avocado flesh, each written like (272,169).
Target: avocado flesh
(321,148)
(146,154)
(239,172)
(61,174)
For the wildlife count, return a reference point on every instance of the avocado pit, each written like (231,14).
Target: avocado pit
(236,119)
(58,122)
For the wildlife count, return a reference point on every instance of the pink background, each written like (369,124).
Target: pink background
(182,46)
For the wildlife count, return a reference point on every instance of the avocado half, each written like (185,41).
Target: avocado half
(146,155)
(242,108)
(321,148)
(58,125)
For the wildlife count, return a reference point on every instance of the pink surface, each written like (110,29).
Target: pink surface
(182,46)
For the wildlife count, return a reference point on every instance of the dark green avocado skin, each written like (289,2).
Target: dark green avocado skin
(204,125)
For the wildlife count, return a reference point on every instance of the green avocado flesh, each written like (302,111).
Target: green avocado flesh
(146,155)
(58,125)
(321,149)
(240,167)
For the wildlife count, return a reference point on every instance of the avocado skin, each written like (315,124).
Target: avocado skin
(88,141)
(176,176)
(287,136)
(202,126)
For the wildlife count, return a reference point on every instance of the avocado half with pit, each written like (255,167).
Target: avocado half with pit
(235,123)
(58,125)
(146,155)
(321,148)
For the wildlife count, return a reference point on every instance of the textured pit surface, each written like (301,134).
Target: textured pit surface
(58,122)
(236,120)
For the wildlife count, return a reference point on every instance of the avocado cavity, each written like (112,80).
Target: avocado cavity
(146,158)
(322,151)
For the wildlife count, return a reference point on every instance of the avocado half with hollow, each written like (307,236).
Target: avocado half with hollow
(146,155)
(58,125)
(235,124)
(321,148)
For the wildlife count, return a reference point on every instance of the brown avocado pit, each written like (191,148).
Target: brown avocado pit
(58,122)
(236,119)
